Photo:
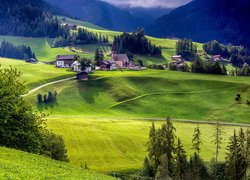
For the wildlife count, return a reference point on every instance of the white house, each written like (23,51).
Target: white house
(65,61)
(76,66)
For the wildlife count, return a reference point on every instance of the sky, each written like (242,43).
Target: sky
(149,3)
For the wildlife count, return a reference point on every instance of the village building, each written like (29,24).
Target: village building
(71,26)
(65,61)
(76,66)
(177,58)
(121,60)
(82,75)
(218,58)
(31,60)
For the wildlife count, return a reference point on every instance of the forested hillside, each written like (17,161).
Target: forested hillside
(29,18)
(100,13)
(205,20)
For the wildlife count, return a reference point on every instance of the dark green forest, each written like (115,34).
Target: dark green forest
(29,18)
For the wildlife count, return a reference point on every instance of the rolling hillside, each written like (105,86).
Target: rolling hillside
(152,93)
(36,74)
(21,165)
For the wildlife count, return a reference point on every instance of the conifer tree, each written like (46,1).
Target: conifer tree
(236,165)
(196,141)
(217,141)
(163,169)
(181,161)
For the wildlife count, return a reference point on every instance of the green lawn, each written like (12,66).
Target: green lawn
(20,165)
(119,145)
(36,74)
(40,46)
(152,93)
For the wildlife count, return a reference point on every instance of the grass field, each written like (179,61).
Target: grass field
(20,165)
(152,93)
(36,74)
(119,145)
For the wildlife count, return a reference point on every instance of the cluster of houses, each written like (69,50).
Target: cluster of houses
(118,61)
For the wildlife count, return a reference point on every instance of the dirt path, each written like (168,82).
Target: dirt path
(47,84)
(152,119)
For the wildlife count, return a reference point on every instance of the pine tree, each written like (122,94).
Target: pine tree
(39,98)
(167,132)
(181,161)
(236,165)
(217,141)
(196,141)
(147,170)
(153,151)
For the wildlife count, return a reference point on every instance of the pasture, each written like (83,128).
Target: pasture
(36,74)
(119,145)
(151,94)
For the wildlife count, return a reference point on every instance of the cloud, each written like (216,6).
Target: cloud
(149,3)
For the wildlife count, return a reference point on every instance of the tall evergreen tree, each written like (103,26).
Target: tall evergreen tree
(181,161)
(196,141)
(217,141)
(236,164)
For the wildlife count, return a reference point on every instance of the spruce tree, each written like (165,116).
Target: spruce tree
(181,161)
(236,164)
(217,141)
(163,169)
(196,141)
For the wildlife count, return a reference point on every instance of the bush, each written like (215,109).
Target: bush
(54,147)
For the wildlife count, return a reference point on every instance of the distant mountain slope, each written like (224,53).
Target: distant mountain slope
(29,18)
(100,13)
(204,20)
(21,165)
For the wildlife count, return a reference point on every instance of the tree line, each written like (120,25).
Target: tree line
(20,127)
(82,36)
(47,98)
(167,158)
(9,50)
(186,48)
(238,55)
(135,43)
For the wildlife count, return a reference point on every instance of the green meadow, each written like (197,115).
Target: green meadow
(95,117)
(119,145)
(151,94)
(16,164)
(36,74)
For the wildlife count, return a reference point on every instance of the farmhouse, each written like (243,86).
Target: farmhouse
(177,58)
(71,26)
(65,61)
(82,75)
(120,60)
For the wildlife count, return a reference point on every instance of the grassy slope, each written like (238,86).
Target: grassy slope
(152,93)
(79,22)
(20,165)
(39,45)
(120,145)
(36,74)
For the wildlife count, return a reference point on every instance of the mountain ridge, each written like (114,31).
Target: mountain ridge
(204,20)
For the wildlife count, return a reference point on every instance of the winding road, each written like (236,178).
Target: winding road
(47,84)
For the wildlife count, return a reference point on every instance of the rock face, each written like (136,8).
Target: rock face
(202,20)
